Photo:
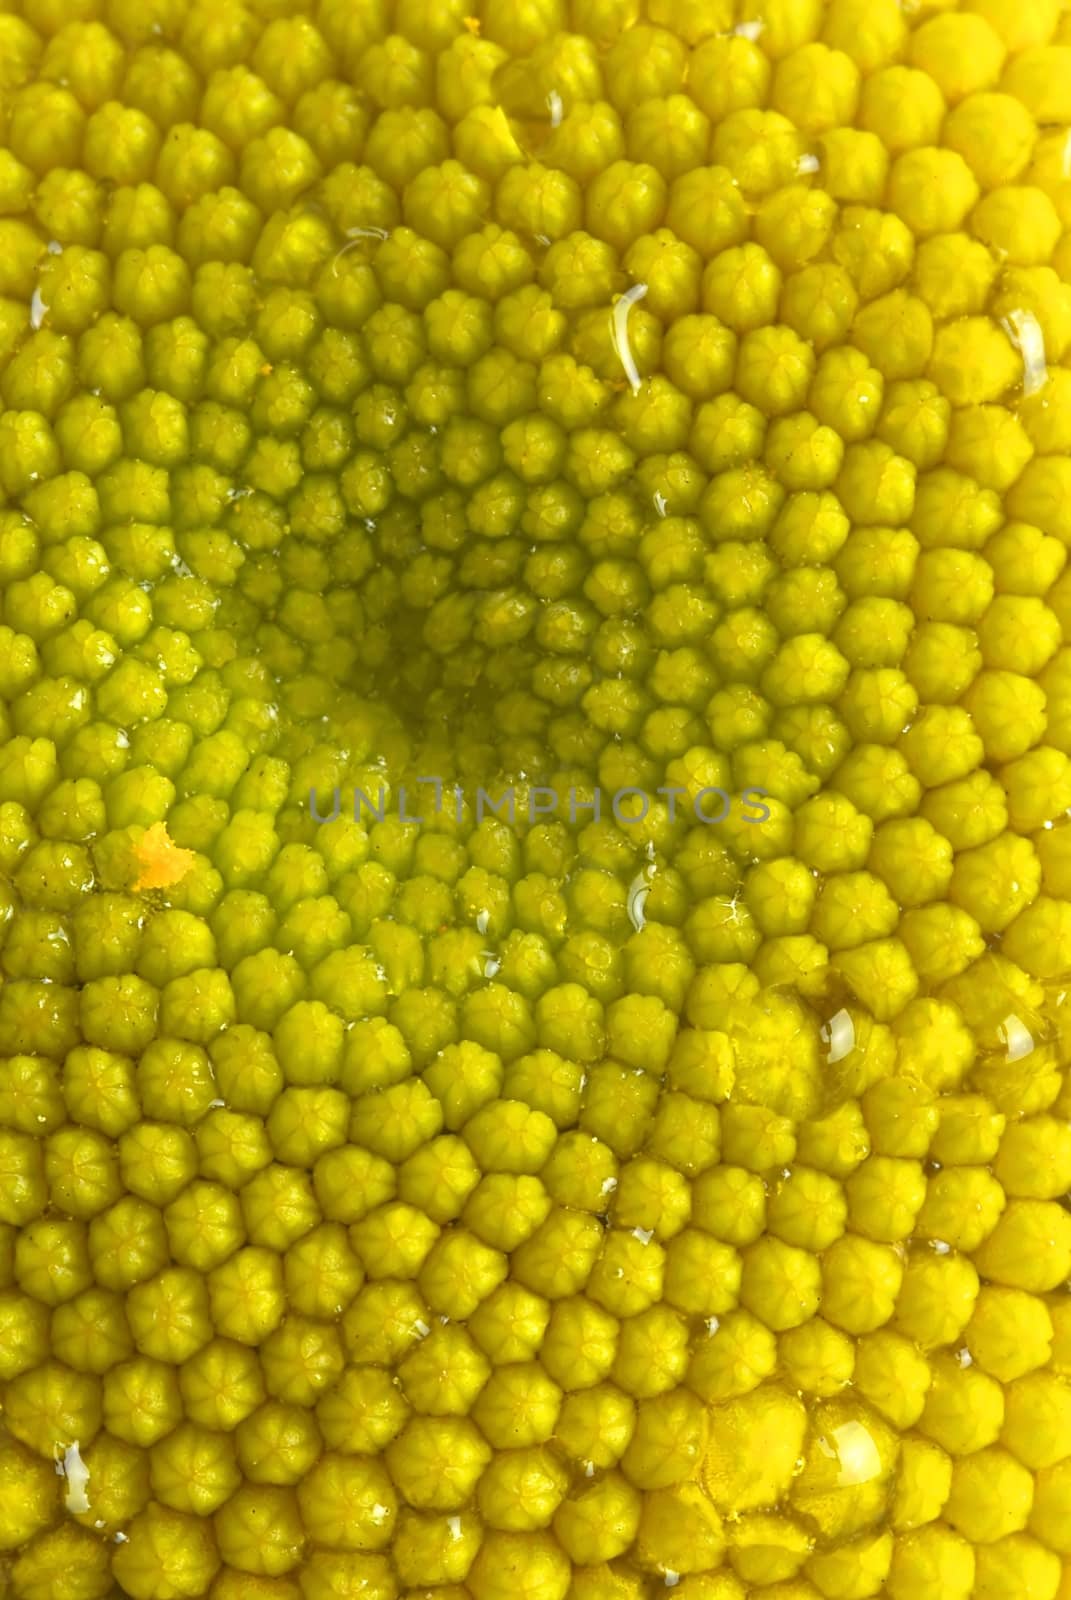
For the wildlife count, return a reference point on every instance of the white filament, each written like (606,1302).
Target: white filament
(841,1031)
(1024,331)
(638,890)
(619,332)
(1017,1037)
(74,1469)
(353,239)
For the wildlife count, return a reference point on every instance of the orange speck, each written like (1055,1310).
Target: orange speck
(266,370)
(473,24)
(162,862)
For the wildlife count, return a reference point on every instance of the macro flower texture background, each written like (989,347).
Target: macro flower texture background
(535,765)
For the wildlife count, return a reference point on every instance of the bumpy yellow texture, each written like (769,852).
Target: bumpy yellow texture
(569,397)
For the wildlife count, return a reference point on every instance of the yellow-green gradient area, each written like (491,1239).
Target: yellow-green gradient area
(559,395)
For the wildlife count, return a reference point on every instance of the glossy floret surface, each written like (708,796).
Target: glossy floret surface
(561,399)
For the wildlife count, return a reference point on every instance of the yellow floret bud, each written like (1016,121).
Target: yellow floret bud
(534,1561)
(807,1210)
(736,1356)
(600,1522)
(845,1480)
(1010,1332)
(1037,1407)
(860,1282)
(1030,938)
(964,1409)
(854,165)
(990,1497)
(962,54)
(816,87)
(892,1375)
(884,1197)
(818,1358)
(679,1531)
(29,1498)
(521,1489)
(855,1569)
(929,1562)
(923,1483)
(1026,1227)
(53,1403)
(819,301)
(652,1352)
(169,1547)
(780,1283)
(846,396)
(903,106)
(1017,1560)
(740,287)
(1033,1158)
(1050,1507)
(774,369)
(759,148)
